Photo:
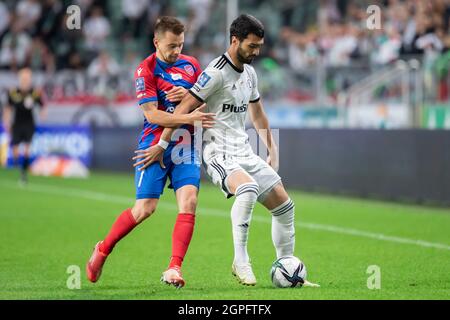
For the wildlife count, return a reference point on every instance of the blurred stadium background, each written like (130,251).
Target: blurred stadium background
(360,112)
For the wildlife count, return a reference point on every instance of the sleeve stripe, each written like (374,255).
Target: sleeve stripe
(145,100)
(256,100)
(196,96)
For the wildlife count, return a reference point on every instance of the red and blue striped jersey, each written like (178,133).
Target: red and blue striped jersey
(153,78)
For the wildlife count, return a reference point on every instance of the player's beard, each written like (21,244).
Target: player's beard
(241,56)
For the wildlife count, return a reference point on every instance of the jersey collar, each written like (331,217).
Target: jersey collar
(228,58)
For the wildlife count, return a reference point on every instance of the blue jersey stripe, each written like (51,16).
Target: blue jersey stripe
(150,99)
(167,77)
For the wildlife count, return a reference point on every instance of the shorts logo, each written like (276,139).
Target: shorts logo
(203,80)
(188,68)
(140,84)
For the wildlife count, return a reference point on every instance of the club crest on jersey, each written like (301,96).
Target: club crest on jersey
(176,76)
(188,68)
(203,80)
(249,83)
(140,84)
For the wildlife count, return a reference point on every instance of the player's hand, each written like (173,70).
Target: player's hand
(176,94)
(149,156)
(206,119)
(273,160)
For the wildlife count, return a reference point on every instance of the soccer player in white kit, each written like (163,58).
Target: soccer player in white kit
(228,86)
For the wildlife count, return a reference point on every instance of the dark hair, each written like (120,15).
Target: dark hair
(245,24)
(166,23)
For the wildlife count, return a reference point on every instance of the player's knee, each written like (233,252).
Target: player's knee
(286,209)
(143,211)
(249,190)
(189,204)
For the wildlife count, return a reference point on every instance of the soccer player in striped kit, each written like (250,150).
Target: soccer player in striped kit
(229,87)
(161,81)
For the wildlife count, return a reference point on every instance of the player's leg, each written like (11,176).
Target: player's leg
(185,180)
(15,152)
(149,186)
(275,198)
(123,225)
(26,161)
(127,221)
(184,225)
(234,180)
(16,140)
(245,189)
(282,209)
(15,143)
(25,134)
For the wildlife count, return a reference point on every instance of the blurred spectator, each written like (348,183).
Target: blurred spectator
(198,17)
(4,19)
(134,17)
(41,58)
(15,48)
(96,29)
(64,45)
(103,72)
(50,21)
(103,65)
(388,46)
(28,13)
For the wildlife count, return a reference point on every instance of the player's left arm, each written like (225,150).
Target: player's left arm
(177,94)
(38,95)
(261,123)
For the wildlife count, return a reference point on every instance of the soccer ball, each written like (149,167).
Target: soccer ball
(288,272)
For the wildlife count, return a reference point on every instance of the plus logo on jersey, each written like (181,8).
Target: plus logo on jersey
(232,108)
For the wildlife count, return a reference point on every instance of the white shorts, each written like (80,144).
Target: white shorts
(220,167)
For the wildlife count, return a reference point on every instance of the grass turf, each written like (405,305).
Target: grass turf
(52,224)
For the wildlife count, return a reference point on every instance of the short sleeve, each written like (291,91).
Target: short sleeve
(197,68)
(207,84)
(254,97)
(145,84)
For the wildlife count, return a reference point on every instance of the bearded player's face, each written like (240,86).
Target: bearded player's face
(169,45)
(249,48)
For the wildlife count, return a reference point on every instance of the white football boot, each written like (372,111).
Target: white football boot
(244,273)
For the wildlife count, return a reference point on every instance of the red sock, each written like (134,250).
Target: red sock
(181,237)
(123,225)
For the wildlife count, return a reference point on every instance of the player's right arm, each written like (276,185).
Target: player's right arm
(146,92)
(169,120)
(207,83)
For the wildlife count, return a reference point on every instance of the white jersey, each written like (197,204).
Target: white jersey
(227,92)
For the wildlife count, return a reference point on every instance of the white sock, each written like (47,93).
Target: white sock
(241,214)
(283,228)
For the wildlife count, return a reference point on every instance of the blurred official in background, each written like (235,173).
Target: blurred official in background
(19,118)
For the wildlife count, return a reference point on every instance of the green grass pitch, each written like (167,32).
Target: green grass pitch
(52,224)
